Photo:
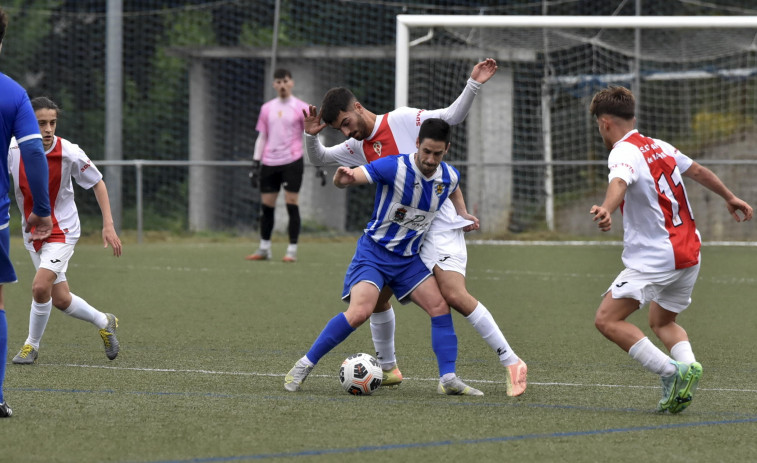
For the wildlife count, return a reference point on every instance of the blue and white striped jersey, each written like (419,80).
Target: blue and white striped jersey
(406,201)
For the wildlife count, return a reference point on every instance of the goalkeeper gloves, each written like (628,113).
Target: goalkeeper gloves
(255,174)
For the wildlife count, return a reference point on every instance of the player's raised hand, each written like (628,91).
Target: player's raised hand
(110,237)
(313,123)
(39,227)
(602,216)
(484,70)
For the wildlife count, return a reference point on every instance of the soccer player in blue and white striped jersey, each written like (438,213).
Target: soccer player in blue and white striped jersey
(410,190)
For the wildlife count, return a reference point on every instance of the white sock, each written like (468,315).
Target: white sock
(38,316)
(265,245)
(484,323)
(292,248)
(382,332)
(682,352)
(652,358)
(80,309)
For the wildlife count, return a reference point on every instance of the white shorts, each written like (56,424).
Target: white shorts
(445,249)
(672,289)
(54,257)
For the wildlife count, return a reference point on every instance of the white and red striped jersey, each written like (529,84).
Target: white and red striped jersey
(396,133)
(659,232)
(65,161)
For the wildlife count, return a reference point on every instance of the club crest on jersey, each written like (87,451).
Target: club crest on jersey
(377,148)
(439,189)
(399,214)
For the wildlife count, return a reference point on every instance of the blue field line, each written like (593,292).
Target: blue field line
(444,443)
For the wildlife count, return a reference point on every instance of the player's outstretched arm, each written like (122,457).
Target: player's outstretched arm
(484,70)
(110,237)
(712,182)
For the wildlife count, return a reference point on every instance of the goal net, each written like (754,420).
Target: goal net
(530,151)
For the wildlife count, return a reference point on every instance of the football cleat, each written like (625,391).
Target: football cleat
(516,378)
(291,256)
(5,410)
(260,254)
(26,356)
(392,377)
(678,389)
(296,376)
(109,336)
(456,386)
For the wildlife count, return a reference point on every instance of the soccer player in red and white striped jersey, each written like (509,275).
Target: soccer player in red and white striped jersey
(660,244)
(65,161)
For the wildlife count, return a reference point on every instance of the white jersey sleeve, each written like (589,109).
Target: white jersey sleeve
(458,110)
(83,171)
(625,163)
(347,153)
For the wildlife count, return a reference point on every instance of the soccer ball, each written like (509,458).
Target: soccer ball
(360,374)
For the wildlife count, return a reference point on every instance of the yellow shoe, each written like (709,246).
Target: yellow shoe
(392,377)
(516,378)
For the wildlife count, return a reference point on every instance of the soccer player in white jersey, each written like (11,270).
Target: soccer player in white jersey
(660,244)
(410,189)
(17,120)
(374,136)
(66,161)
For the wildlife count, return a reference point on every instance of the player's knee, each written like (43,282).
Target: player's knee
(601,323)
(61,302)
(41,291)
(436,308)
(356,315)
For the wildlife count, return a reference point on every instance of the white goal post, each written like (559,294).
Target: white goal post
(428,26)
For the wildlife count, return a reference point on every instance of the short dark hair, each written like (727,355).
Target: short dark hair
(334,101)
(43,102)
(435,129)
(281,73)
(615,101)
(3,24)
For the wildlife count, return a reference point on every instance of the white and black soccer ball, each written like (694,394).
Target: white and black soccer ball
(360,374)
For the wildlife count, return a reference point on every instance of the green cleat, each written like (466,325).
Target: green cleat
(26,356)
(392,377)
(677,390)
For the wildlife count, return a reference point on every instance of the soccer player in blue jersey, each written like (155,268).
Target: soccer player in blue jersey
(410,189)
(17,119)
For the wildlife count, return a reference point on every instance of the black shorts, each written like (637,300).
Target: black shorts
(272,178)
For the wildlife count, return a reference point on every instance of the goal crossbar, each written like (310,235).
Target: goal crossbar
(404,22)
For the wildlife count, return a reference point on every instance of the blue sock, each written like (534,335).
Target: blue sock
(335,331)
(444,343)
(3,350)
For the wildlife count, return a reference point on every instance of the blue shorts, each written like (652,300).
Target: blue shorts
(7,274)
(377,265)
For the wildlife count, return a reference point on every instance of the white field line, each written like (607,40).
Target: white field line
(274,375)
